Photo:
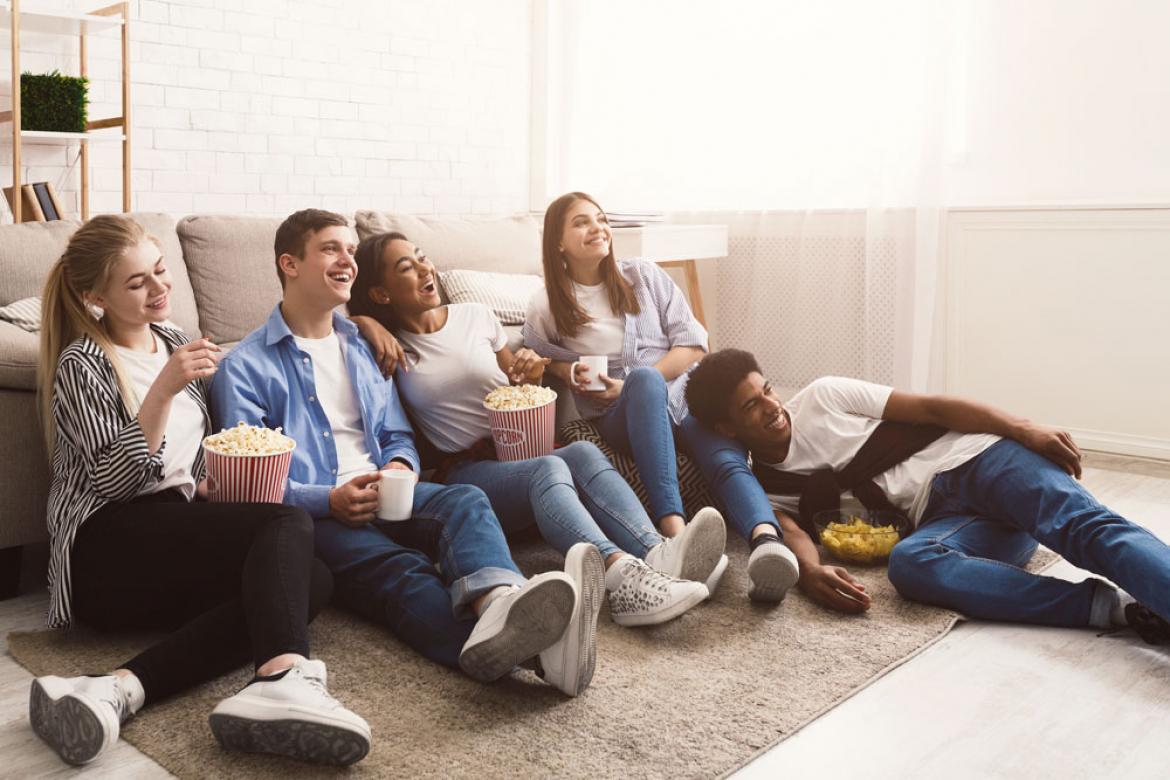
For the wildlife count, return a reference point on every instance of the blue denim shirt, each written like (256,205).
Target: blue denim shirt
(267,380)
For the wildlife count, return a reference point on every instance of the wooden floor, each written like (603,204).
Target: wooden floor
(988,701)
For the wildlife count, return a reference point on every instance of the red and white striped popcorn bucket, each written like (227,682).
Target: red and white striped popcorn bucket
(247,478)
(520,434)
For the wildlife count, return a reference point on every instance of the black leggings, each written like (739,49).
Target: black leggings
(216,575)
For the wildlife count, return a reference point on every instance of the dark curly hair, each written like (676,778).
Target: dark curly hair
(713,382)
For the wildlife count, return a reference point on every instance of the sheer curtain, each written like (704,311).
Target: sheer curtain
(817,131)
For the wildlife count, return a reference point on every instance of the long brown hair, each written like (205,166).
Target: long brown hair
(91,255)
(569,315)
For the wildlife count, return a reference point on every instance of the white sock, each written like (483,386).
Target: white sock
(132,691)
(613,575)
(1117,610)
(494,594)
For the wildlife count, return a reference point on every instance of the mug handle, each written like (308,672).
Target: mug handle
(573,374)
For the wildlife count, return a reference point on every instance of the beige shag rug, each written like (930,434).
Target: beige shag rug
(695,698)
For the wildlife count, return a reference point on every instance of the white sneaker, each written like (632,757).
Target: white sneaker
(79,717)
(772,570)
(694,553)
(518,625)
(643,596)
(569,663)
(716,575)
(294,716)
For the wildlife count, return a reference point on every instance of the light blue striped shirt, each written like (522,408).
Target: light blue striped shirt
(665,321)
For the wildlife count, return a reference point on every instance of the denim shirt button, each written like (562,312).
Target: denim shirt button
(305,361)
(325,434)
(312,398)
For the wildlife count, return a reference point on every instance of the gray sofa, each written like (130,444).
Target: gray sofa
(225,285)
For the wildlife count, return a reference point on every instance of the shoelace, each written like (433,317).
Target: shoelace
(114,696)
(1151,628)
(640,573)
(318,685)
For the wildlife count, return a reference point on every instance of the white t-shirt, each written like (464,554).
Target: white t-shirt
(456,368)
(338,400)
(605,335)
(184,432)
(833,417)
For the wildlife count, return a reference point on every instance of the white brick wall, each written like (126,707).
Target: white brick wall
(412,105)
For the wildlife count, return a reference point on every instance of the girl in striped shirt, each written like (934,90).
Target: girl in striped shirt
(635,315)
(123,399)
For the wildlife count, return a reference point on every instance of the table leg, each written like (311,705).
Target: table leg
(691,273)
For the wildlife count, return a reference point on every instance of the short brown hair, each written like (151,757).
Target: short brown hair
(296,229)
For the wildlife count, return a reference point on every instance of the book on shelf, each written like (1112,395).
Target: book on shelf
(30,206)
(634,218)
(47,198)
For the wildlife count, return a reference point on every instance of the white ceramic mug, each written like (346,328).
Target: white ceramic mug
(595,366)
(395,494)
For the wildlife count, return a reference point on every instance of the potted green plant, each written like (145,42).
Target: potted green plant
(54,102)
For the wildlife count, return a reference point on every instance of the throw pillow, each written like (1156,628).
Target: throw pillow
(24,314)
(505,294)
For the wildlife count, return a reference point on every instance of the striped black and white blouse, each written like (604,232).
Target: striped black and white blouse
(100,456)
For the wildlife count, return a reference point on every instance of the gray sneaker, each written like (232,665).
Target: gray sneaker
(518,625)
(79,717)
(694,554)
(569,663)
(772,570)
(294,716)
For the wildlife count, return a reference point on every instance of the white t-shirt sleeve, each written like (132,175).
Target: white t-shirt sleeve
(852,396)
(539,317)
(489,323)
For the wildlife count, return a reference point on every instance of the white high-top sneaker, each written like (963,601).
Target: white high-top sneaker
(79,717)
(695,552)
(293,716)
(569,663)
(642,596)
(517,625)
(772,570)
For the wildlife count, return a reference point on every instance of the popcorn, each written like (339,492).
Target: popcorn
(858,541)
(519,397)
(247,439)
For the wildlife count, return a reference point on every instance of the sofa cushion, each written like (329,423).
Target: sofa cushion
(18,357)
(691,486)
(24,314)
(27,252)
(233,272)
(505,294)
(183,311)
(503,245)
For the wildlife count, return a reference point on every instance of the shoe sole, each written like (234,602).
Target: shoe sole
(716,577)
(302,740)
(68,724)
(535,621)
(585,566)
(696,596)
(771,578)
(706,540)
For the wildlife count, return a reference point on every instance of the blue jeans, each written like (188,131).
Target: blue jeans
(574,495)
(723,462)
(638,424)
(386,571)
(982,524)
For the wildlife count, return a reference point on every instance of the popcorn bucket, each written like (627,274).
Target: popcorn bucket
(520,434)
(247,478)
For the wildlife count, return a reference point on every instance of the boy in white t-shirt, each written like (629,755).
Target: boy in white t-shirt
(443,580)
(981,486)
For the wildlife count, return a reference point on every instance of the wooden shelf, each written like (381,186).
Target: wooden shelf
(59,24)
(48,136)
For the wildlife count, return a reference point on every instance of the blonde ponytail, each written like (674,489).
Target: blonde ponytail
(91,255)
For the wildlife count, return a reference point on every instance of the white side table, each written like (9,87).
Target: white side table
(674,246)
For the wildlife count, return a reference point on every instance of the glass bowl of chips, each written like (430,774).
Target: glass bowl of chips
(860,536)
